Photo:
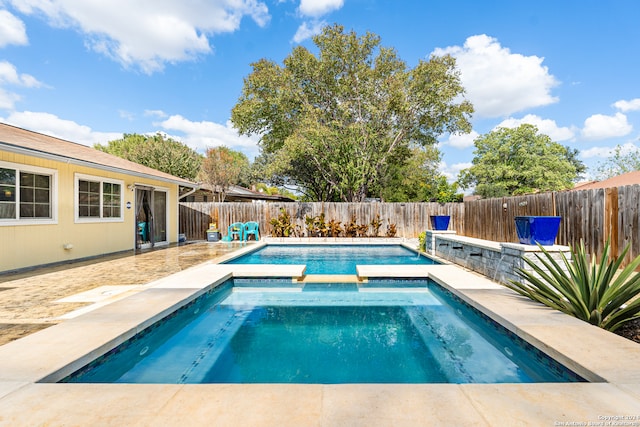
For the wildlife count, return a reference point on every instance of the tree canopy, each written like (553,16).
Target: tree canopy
(157,152)
(520,161)
(418,179)
(221,168)
(336,124)
(621,161)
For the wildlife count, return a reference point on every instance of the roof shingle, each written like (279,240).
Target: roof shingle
(41,145)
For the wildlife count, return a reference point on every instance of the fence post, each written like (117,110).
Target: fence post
(611,220)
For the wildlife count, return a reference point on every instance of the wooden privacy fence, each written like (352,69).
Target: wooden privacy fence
(592,216)
(410,218)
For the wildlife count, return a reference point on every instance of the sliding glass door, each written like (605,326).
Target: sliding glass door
(151,216)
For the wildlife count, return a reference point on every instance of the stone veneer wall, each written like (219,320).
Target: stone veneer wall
(497,261)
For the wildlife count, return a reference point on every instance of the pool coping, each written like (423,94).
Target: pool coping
(600,356)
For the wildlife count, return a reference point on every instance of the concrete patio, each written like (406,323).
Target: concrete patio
(37,298)
(107,302)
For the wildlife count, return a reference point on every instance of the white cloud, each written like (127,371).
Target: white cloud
(600,126)
(596,152)
(126,115)
(606,152)
(314,9)
(155,113)
(499,82)
(308,30)
(197,135)
(12,30)
(8,99)
(464,140)
(50,124)
(452,172)
(545,126)
(9,76)
(147,33)
(624,106)
(457,167)
(319,7)
(203,135)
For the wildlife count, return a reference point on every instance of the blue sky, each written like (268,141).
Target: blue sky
(89,71)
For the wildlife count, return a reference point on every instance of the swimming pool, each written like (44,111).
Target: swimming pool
(334,259)
(383,333)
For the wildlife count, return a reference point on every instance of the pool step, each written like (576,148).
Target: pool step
(328,278)
(405,271)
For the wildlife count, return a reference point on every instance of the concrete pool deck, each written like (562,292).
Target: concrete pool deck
(612,362)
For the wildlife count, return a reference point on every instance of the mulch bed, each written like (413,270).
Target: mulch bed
(630,330)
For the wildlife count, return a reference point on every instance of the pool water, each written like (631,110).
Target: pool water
(321,344)
(333,259)
(420,334)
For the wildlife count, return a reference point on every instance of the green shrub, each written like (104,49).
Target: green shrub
(422,241)
(282,226)
(598,293)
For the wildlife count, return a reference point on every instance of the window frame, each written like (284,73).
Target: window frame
(101,181)
(53,195)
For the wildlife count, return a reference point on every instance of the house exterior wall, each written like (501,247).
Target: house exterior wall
(26,245)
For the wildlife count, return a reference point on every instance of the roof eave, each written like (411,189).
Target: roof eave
(65,159)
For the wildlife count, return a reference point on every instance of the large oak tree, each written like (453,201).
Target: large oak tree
(337,123)
(512,161)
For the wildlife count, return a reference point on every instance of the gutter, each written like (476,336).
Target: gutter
(188,193)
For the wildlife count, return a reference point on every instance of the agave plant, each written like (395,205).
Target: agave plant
(598,293)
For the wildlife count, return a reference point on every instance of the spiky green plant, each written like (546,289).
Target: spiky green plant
(598,293)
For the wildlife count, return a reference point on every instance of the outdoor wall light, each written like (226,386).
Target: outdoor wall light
(128,205)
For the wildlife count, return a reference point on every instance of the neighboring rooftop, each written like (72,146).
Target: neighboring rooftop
(18,140)
(236,193)
(629,178)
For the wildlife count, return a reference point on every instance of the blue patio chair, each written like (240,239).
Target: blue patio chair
(251,227)
(236,229)
(142,231)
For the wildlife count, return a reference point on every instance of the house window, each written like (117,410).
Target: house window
(88,199)
(26,193)
(111,196)
(98,199)
(35,195)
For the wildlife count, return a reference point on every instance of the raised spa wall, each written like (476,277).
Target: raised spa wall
(498,261)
